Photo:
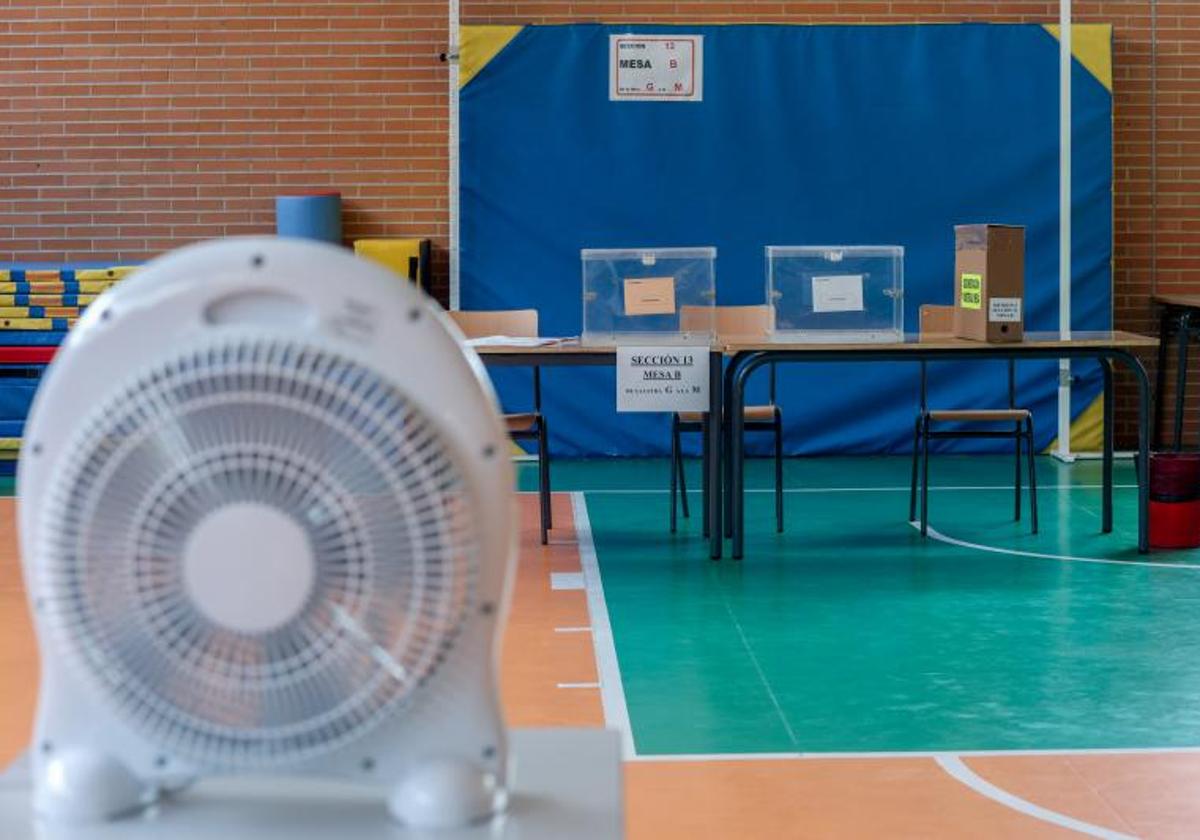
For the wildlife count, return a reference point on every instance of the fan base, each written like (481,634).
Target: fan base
(79,786)
(446,793)
(565,783)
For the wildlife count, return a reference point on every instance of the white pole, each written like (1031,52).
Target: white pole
(1064,226)
(452,150)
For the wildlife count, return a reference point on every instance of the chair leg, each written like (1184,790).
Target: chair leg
(778,471)
(916,461)
(1017,478)
(546,474)
(706,452)
(683,497)
(674,469)
(1033,511)
(544,480)
(925,476)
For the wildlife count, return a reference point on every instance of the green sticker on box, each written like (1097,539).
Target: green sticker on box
(972,291)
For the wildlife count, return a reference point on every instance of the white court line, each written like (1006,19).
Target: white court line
(894,488)
(1105,561)
(787,727)
(572,629)
(954,766)
(566,580)
(579,685)
(612,691)
(935,754)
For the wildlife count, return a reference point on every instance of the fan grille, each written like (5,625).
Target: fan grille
(327,443)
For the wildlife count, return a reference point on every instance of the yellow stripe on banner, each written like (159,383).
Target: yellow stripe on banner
(49,301)
(50,311)
(9,443)
(1091,45)
(479,45)
(47,287)
(117,272)
(5,274)
(35,324)
(1087,430)
(96,286)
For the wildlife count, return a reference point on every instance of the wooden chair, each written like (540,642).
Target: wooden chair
(938,321)
(732,322)
(529,425)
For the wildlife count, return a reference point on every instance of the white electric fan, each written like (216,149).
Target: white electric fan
(266,519)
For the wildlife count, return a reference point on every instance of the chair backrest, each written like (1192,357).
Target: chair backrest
(731,321)
(518,323)
(936,320)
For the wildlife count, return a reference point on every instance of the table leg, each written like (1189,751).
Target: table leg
(727,395)
(713,463)
(736,420)
(1143,455)
(1109,432)
(1185,328)
(1160,374)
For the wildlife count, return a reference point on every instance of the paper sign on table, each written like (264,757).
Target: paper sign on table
(839,293)
(650,296)
(662,379)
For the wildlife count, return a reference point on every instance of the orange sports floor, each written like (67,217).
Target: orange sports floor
(550,678)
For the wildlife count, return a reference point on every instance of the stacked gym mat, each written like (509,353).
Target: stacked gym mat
(37,307)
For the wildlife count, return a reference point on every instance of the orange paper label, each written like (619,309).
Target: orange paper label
(650,296)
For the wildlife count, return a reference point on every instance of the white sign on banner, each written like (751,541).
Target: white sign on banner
(662,379)
(656,68)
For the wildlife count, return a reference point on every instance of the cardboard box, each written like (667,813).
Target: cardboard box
(936,321)
(989,282)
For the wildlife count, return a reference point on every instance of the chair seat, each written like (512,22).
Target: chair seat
(997,415)
(753,413)
(521,422)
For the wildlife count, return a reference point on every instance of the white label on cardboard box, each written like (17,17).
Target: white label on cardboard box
(839,293)
(1004,310)
(662,379)
(656,68)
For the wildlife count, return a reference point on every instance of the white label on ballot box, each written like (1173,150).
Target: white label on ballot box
(662,379)
(1004,310)
(840,293)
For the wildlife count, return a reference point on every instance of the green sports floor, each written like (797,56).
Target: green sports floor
(848,633)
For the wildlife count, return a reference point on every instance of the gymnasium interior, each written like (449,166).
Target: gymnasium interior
(652,419)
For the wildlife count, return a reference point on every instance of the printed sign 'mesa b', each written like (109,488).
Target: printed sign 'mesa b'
(662,378)
(656,68)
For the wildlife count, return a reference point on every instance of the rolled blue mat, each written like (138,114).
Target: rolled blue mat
(316,215)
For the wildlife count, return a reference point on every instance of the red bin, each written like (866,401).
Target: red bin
(1175,500)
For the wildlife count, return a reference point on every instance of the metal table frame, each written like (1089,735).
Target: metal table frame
(1185,319)
(577,356)
(745,362)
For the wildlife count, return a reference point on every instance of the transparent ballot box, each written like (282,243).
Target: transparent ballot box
(836,294)
(649,296)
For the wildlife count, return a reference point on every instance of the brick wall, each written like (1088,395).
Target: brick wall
(127,128)
(131,127)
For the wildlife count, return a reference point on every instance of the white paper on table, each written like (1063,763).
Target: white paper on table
(838,293)
(513,341)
